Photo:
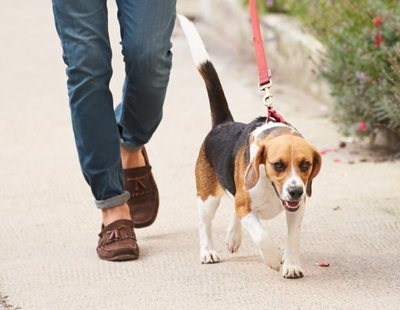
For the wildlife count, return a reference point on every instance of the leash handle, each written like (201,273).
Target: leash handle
(263,72)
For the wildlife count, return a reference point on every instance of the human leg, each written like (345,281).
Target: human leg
(146,28)
(82,27)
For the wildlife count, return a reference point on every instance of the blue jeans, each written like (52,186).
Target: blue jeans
(146,28)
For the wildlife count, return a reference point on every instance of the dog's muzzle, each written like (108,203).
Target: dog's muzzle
(295,193)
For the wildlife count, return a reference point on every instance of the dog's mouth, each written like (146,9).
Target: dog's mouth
(291,206)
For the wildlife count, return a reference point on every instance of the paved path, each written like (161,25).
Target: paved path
(48,224)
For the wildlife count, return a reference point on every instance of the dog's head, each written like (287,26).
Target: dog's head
(290,163)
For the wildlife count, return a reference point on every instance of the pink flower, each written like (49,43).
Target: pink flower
(362,126)
(377,21)
(378,39)
(362,77)
(323,264)
(270,3)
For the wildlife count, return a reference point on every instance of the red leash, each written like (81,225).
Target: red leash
(263,71)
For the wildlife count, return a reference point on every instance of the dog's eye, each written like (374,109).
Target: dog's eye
(305,166)
(279,166)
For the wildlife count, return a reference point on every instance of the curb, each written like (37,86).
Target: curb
(296,54)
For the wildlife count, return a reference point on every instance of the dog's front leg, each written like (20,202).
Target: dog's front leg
(291,265)
(268,249)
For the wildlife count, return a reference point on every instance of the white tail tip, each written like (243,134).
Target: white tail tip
(196,45)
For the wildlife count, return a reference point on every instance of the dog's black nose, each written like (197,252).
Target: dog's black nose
(295,192)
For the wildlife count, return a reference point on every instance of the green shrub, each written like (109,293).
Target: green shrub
(363,58)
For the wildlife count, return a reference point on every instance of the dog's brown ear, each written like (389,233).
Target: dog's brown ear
(316,167)
(252,173)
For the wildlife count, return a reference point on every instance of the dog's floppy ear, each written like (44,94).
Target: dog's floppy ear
(252,173)
(316,167)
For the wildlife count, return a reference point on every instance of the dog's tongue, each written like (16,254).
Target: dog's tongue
(292,204)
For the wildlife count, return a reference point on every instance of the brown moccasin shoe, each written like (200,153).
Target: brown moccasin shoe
(144,200)
(118,242)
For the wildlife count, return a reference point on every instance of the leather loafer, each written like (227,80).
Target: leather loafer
(144,200)
(118,242)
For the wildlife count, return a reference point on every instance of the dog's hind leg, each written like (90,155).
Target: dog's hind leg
(209,193)
(207,209)
(234,234)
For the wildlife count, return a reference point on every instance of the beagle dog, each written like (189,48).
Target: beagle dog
(268,167)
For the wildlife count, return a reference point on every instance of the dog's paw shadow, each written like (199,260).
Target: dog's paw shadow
(235,257)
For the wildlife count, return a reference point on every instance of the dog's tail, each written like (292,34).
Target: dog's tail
(220,112)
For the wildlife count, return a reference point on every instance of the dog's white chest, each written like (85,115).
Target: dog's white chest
(263,198)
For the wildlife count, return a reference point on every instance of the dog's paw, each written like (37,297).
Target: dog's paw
(272,255)
(209,257)
(233,240)
(292,271)
(273,260)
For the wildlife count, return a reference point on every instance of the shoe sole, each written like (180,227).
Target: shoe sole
(145,224)
(121,258)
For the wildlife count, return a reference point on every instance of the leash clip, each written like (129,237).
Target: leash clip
(267,94)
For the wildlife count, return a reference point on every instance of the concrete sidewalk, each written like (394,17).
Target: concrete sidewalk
(49,225)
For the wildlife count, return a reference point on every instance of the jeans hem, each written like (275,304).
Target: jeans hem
(113,201)
(130,147)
